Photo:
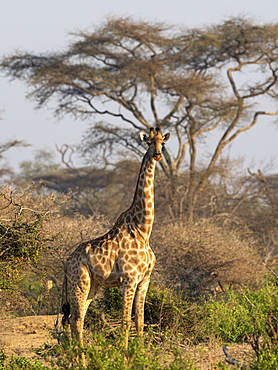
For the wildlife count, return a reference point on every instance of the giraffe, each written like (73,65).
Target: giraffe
(121,257)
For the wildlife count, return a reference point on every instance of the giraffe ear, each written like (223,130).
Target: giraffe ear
(143,136)
(166,137)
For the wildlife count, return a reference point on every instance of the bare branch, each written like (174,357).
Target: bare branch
(248,127)
(11,144)
(153,95)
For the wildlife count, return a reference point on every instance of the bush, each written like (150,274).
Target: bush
(20,230)
(19,363)
(238,316)
(36,236)
(200,259)
(165,313)
(227,318)
(249,315)
(105,351)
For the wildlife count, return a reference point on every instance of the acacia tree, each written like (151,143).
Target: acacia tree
(136,75)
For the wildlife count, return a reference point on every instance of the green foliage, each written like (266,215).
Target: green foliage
(19,363)
(227,318)
(8,275)
(19,241)
(111,302)
(19,245)
(164,310)
(34,290)
(104,351)
(247,315)
(268,359)
(2,359)
(21,229)
(110,354)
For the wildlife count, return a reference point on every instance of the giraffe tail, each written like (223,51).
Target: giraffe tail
(66,306)
(66,312)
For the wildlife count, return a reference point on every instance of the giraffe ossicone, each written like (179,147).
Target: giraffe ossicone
(121,257)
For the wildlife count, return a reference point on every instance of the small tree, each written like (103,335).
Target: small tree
(20,230)
(37,234)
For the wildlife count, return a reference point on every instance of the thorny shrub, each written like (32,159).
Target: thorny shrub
(201,259)
(37,233)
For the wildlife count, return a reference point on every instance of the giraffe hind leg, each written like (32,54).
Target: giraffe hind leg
(80,291)
(82,297)
(78,315)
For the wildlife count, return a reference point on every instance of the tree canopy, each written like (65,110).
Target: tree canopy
(126,76)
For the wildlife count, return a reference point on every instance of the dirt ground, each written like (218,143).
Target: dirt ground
(21,336)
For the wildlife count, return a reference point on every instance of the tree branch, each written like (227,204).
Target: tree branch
(254,121)
(152,97)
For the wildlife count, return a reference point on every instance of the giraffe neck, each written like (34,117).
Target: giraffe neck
(141,211)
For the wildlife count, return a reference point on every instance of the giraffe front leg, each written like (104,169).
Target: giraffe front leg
(129,289)
(140,297)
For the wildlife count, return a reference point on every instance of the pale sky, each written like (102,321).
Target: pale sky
(38,26)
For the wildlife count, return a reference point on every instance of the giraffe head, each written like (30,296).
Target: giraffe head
(155,141)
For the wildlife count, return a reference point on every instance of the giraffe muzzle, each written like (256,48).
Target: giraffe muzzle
(157,156)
